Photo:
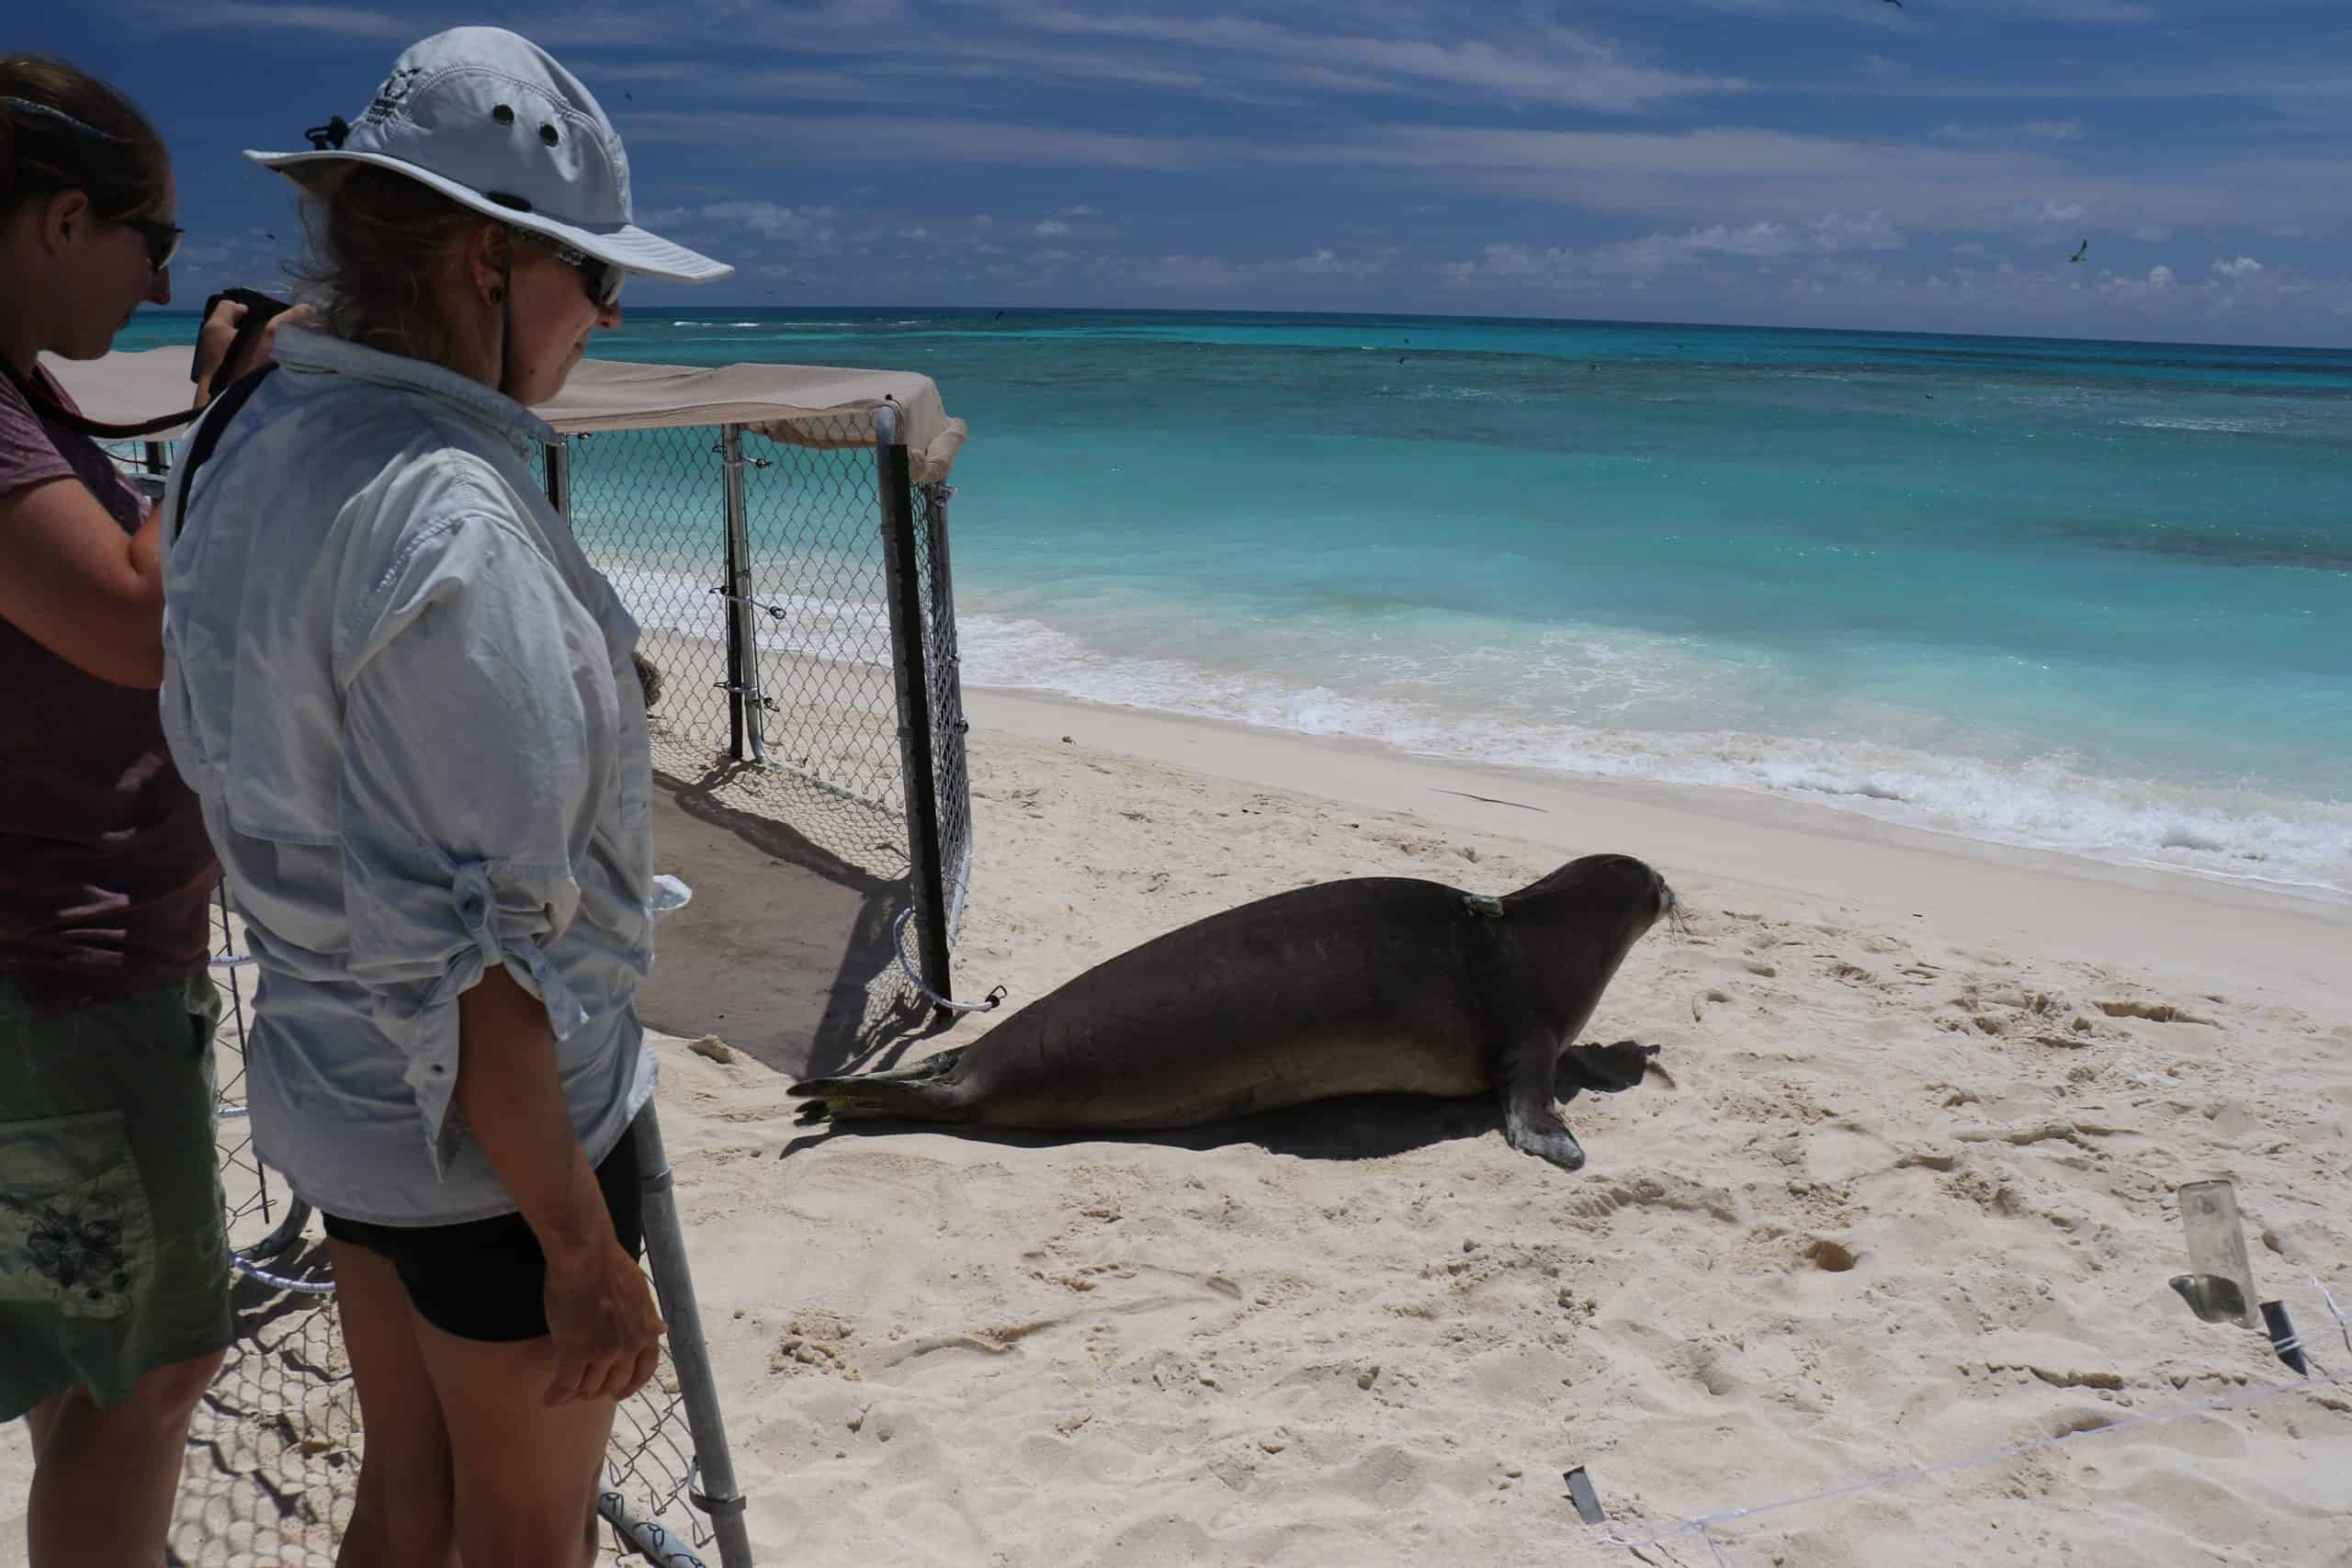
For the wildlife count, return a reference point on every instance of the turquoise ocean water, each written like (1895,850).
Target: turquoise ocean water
(2092,596)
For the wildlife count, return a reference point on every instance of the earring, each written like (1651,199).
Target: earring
(496,295)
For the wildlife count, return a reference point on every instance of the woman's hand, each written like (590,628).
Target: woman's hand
(220,331)
(607,1328)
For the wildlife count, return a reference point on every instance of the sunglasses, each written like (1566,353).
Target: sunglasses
(163,239)
(601,279)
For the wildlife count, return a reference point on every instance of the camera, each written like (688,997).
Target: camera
(260,310)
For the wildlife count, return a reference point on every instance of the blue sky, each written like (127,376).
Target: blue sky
(1831,162)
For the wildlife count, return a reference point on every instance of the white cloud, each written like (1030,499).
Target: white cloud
(2152,234)
(808,223)
(1327,263)
(1718,174)
(2003,135)
(2243,267)
(2055,10)
(342,21)
(2159,281)
(1542,64)
(2050,209)
(1656,255)
(1184,271)
(1079,211)
(1051,227)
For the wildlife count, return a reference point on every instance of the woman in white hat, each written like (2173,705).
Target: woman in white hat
(407,702)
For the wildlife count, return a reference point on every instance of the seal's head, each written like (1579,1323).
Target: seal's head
(1616,893)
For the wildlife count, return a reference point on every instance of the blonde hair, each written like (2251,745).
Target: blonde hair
(378,239)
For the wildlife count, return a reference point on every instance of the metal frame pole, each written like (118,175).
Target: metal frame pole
(951,726)
(673,1285)
(917,757)
(745,700)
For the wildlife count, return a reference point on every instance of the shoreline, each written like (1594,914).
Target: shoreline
(2095,909)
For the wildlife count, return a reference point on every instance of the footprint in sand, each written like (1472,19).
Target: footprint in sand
(2153,1012)
(1671,1192)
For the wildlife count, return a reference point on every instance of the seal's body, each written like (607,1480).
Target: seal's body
(1383,985)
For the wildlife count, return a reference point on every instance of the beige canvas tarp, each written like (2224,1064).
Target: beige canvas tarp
(802,405)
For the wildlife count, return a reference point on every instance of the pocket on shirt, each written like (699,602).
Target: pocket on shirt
(76,1231)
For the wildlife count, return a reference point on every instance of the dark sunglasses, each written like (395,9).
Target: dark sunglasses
(163,239)
(601,279)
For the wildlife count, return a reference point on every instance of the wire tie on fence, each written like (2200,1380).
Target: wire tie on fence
(899,940)
(279,1281)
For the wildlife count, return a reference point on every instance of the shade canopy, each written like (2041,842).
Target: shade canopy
(801,405)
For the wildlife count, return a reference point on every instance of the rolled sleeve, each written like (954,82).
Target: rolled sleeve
(471,759)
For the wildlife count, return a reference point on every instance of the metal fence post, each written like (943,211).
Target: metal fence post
(665,1248)
(917,750)
(955,837)
(745,700)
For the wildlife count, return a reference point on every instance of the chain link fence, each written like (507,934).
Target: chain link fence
(944,667)
(273,1449)
(763,574)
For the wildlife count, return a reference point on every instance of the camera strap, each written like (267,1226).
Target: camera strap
(208,436)
(82,424)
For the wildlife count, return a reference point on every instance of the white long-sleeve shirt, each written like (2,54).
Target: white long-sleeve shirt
(406,701)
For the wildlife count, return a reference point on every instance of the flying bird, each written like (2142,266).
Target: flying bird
(2078,255)
(1897,3)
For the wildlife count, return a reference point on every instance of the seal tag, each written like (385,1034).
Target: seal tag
(1479,904)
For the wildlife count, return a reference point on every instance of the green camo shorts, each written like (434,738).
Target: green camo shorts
(113,1260)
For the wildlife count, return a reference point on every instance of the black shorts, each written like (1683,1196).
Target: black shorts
(487,1280)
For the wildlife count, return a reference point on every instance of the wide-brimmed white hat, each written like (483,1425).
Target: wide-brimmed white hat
(488,119)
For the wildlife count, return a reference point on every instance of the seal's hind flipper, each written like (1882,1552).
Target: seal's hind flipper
(919,1093)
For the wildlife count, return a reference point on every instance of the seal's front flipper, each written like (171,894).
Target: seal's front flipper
(1531,1123)
(1604,1070)
(1534,1127)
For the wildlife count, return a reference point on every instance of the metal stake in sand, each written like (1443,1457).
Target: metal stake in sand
(665,1249)
(2221,1288)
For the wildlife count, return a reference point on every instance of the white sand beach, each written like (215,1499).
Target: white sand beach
(1903,1192)
(1906,1196)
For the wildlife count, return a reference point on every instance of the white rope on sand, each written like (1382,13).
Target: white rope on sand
(2343,1324)
(1702,1526)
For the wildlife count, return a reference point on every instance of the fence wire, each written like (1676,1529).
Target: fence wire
(805,588)
(943,668)
(274,1449)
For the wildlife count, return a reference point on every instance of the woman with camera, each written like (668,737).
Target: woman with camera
(406,700)
(114,1272)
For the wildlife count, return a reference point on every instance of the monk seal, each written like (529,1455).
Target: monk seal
(1377,984)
